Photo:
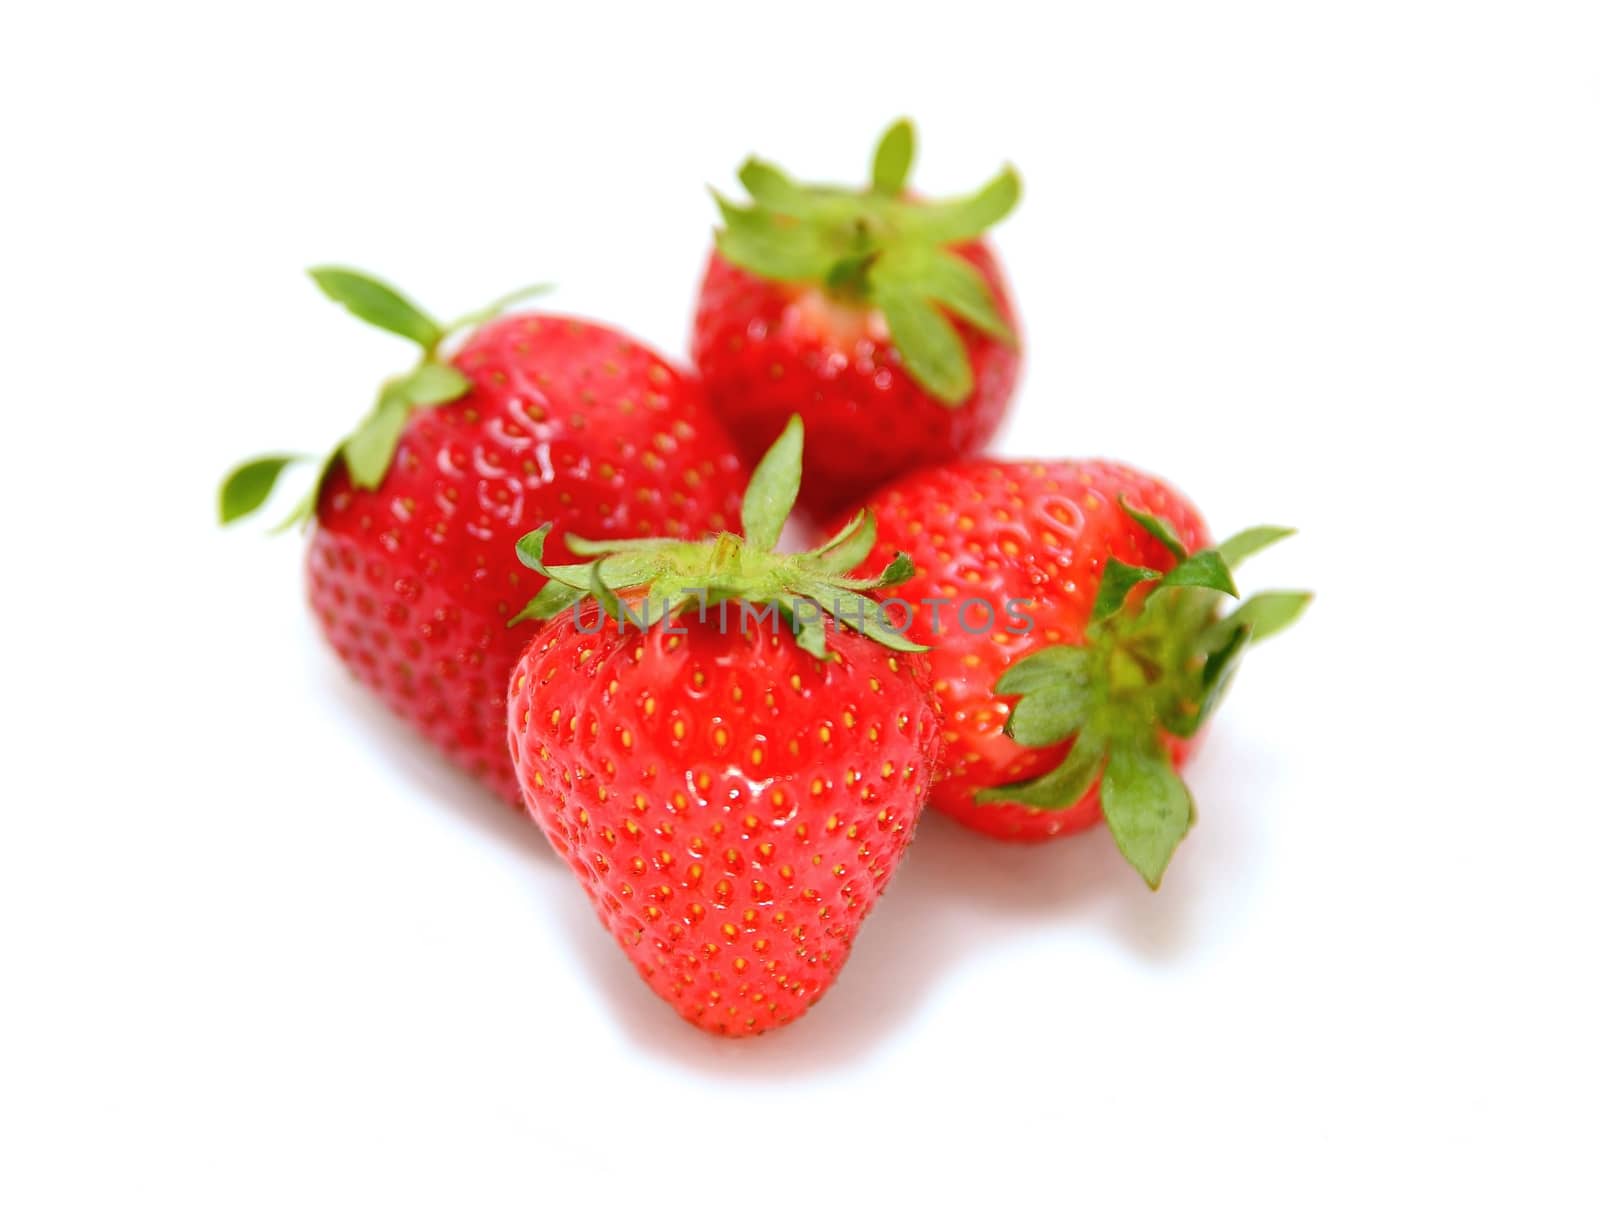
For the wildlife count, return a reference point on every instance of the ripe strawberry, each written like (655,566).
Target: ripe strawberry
(1072,680)
(878,318)
(733,795)
(416,514)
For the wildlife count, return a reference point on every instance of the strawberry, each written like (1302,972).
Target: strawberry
(880,319)
(416,514)
(1078,642)
(732,792)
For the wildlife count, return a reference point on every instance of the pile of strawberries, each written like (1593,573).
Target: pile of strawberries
(556,554)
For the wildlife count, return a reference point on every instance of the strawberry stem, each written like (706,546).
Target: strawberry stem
(668,576)
(1157,657)
(368,450)
(877,248)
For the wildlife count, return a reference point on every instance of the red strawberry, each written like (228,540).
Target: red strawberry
(1071,680)
(880,319)
(535,417)
(733,796)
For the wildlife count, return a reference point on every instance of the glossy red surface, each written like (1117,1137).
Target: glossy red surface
(732,806)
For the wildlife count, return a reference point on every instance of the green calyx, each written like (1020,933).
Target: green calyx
(369,449)
(647,581)
(1147,667)
(877,248)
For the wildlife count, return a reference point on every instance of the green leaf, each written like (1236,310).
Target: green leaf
(604,595)
(579,546)
(624,570)
(929,345)
(1055,664)
(1157,526)
(871,622)
(900,569)
(476,318)
(530,549)
(669,593)
(1048,715)
(946,221)
(1116,584)
(947,279)
(851,546)
(891,163)
(771,246)
(1247,543)
(1217,674)
(773,189)
(809,633)
(553,599)
(1147,807)
(847,278)
(1064,786)
(1206,569)
(370,449)
(852,609)
(246,488)
(774,485)
(375,302)
(1270,612)
(432,383)
(843,533)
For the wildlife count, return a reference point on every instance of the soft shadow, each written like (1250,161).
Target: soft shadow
(425,770)
(953,897)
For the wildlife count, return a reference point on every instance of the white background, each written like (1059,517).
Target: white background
(1333,265)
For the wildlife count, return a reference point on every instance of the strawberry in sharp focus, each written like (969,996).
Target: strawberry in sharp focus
(732,777)
(1074,610)
(880,319)
(415,516)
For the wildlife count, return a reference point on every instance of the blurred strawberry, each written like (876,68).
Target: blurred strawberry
(1079,644)
(415,515)
(879,318)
